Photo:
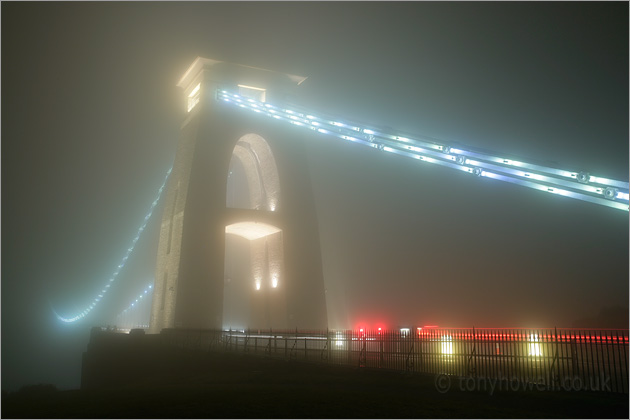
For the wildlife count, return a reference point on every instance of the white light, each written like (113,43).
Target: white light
(257,284)
(251,230)
(195,90)
(338,336)
(274,282)
(366,131)
(193,97)
(447,344)
(623,196)
(534,347)
(404,332)
(597,180)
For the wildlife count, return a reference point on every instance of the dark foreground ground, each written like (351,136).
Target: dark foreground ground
(240,386)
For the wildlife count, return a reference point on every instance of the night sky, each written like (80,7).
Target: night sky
(90,122)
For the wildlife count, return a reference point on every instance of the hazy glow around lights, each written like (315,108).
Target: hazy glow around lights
(193,97)
(447,344)
(251,230)
(534,347)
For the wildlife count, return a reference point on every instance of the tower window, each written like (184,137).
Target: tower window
(194,96)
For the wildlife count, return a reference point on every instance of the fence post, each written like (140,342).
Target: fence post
(329,344)
(349,345)
(472,370)
(380,348)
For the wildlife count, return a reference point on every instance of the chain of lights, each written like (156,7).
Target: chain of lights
(134,303)
(118,269)
(572,184)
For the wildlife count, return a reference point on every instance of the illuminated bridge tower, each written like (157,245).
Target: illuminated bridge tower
(239,242)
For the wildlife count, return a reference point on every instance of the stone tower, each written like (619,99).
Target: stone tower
(240,184)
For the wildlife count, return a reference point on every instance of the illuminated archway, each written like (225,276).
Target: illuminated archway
(254,290)
(253,181)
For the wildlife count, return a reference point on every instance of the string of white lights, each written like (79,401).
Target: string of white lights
(118,269)
(574,184)
(134,303)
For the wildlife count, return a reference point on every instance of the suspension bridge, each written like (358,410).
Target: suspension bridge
(244,101)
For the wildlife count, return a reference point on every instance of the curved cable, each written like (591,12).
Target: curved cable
(135,301)
(103,292)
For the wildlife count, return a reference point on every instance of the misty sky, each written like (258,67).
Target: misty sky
(90,121)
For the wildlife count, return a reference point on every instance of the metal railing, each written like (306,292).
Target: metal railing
(595,360)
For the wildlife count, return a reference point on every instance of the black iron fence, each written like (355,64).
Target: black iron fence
(595,360)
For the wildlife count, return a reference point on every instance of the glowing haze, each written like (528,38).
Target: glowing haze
(91,118)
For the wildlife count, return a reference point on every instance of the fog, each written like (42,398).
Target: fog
(90,122)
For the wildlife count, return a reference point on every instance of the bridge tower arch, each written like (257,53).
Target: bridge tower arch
(237,177)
